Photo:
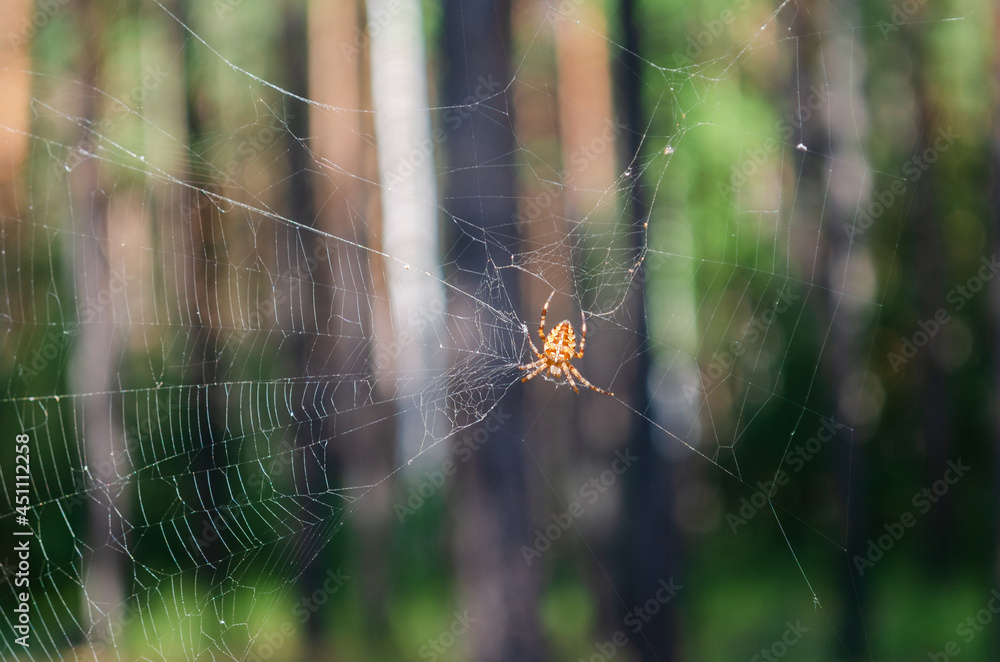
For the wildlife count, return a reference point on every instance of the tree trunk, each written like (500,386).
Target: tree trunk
(93,367)
(352,300)
(995,291)
(409,206)
(650,539)
(834,166)
(308,292)
(491,500)
(580,122)
(199,272)
(934,399)
(15,80)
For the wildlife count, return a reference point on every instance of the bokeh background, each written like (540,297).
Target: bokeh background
(269,267)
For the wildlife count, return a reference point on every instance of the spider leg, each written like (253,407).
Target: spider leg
(534,372)
(531,364)
(535,349)
(583,380)
(545,310)
(583,334)
(569,377)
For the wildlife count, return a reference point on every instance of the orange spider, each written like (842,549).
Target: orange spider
(559,347)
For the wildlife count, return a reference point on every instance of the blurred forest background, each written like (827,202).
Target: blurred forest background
(221,395)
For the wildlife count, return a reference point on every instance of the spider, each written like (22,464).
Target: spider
(558,348)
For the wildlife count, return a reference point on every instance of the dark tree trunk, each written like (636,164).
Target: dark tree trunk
(934,399)
(491,502)
(650,540)
(349,297)
(995,298)
(834,138)
(198,308)
(309,343)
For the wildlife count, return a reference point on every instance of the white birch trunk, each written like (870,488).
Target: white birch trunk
(409,209)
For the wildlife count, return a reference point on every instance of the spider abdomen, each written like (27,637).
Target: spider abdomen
(561,342)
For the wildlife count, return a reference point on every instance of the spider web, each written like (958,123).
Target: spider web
(200,332)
